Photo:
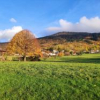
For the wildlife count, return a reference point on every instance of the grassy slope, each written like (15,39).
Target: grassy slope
(66,78)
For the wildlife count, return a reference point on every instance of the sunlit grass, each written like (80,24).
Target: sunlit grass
(65,78)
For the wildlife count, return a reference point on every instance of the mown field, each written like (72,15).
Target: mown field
(65,78)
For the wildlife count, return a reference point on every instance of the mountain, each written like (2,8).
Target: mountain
(63,38)
(69,37)
(74,36)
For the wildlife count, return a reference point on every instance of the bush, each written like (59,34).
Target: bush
(60,54)
(15,58)
(35,58)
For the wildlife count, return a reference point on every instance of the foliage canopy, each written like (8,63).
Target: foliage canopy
(25,44)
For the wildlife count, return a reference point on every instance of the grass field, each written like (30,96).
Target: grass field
(65,78)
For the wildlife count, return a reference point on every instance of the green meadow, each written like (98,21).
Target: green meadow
(55,78)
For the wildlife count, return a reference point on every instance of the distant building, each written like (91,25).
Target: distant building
(2,51)
(3,48)
(55,52)
(52,54)
(94,51)
(3,45)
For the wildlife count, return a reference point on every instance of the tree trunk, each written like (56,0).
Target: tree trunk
(19,58)
(24,58)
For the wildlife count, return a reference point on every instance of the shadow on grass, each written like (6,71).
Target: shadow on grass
(76,60)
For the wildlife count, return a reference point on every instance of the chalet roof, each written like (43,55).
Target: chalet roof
(3,47)
(2,50)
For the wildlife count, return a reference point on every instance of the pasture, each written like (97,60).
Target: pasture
(60,78)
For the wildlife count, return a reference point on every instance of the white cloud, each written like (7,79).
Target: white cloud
(7,34)
(84,25)
(13,20)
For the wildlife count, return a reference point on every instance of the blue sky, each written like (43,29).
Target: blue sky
(44,17)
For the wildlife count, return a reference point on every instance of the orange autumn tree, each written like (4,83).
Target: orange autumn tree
(25,44)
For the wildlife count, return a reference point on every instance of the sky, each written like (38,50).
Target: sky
(46,17)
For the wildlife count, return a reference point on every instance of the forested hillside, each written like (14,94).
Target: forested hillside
(77,41)
(71,40)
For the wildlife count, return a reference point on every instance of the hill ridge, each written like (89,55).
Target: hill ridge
(64,37)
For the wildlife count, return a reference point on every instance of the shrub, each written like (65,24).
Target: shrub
(60,54)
